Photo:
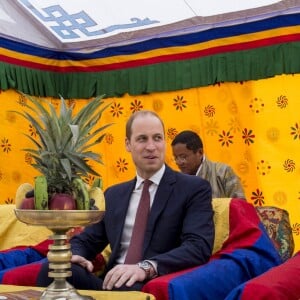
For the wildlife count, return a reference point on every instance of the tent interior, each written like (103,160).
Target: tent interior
(230,73)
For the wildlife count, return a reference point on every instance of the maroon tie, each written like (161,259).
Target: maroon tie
(134,253)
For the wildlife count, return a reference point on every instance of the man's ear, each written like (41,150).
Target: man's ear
(127,145)
(200,151)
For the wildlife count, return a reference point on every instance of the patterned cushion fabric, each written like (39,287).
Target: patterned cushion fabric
(277,224)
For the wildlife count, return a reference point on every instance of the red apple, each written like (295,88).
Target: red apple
(27,203)
(62,202)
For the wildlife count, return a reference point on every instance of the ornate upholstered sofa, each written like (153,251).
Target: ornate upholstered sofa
(249,240)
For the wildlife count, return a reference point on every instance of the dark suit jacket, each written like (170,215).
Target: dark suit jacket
(180,230)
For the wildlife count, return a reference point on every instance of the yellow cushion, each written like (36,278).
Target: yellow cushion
(221,220)
(15,233)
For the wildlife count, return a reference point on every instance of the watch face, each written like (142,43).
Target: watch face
(145,265)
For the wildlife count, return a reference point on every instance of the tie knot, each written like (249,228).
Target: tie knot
(147,183)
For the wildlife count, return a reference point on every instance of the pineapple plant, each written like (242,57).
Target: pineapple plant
(62,152)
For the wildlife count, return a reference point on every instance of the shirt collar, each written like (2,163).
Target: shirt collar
(198,171)
(155,178)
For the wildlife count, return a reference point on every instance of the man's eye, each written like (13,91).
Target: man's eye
(141,139)
(158,138)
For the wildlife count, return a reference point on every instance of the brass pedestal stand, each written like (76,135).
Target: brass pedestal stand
(59,255)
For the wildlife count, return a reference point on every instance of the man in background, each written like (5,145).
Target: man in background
(189,156)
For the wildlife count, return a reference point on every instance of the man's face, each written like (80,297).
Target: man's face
(147,145)
(187,161)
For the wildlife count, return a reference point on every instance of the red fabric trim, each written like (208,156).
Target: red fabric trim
(243,227)
(42,247)
(159,286)
(157,59)
(23,275)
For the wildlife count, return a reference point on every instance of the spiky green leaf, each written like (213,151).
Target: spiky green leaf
(62,142)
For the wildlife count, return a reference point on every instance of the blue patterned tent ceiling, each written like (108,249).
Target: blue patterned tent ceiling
(88,25)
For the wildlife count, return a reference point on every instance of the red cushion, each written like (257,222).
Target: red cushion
(24,275)
(281,282)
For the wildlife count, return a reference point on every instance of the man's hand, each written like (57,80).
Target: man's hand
(77,259)
(123,274)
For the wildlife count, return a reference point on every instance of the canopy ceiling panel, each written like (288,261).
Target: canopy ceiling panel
(56,47)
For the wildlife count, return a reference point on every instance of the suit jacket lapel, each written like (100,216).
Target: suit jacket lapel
(120,211)
(160,200)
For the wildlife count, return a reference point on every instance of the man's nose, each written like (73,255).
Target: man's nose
(150,144)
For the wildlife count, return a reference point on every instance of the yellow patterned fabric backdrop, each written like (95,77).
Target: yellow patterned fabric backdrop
(254,126)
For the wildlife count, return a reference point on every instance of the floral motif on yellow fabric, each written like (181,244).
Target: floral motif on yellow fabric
(248,136)
(225,138)
(180,103)
(136,105)
(258,198)
(122,165)
(116,109)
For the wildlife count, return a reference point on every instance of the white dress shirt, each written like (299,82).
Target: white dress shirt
(132,209)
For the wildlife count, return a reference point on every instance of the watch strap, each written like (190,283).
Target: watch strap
(148,268)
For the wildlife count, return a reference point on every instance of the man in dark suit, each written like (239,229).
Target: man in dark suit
(179,232)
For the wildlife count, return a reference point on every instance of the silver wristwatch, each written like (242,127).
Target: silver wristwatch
(148,268)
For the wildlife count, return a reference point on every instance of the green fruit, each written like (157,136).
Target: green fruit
(81,194)
(98,183)
(40,193)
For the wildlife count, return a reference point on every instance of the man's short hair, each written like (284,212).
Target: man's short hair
(189,138)
(138,113)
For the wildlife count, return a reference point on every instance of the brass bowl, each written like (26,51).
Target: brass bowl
(56,219)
